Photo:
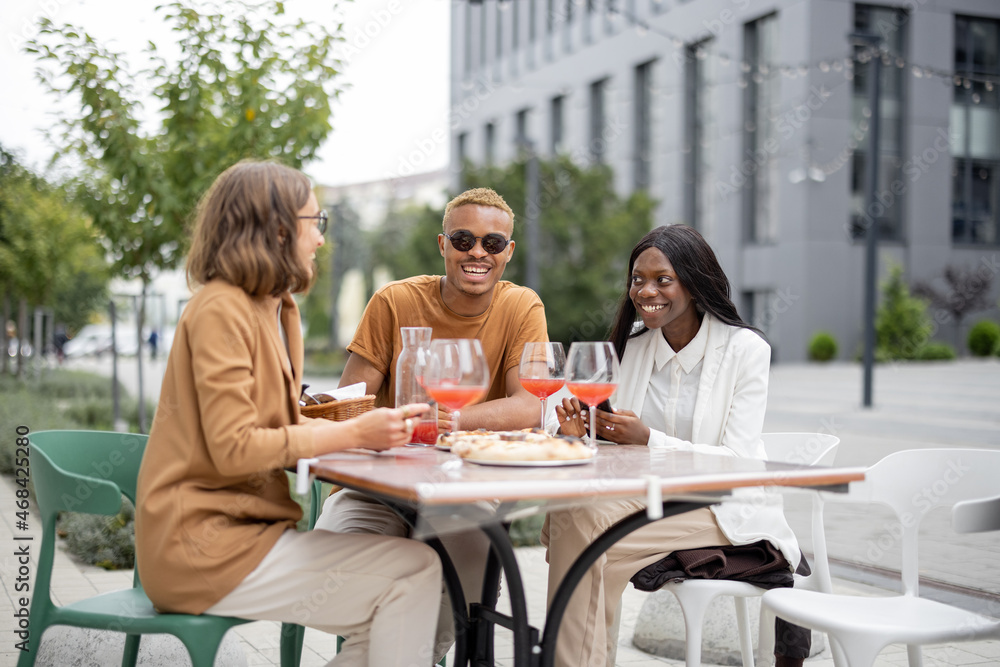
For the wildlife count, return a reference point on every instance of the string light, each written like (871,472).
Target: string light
(757,72)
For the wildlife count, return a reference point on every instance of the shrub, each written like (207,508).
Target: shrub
(526,532)
(936,351)
(823,346)
(105,541)
(984,338)
(902,326)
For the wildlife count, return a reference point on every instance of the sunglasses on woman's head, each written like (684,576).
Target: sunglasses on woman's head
(464,241)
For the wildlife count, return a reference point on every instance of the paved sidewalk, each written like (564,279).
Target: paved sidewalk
(916,405)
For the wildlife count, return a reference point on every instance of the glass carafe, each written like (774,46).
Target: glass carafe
(409,368)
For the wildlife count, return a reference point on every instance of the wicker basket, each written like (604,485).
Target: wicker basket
(340,410)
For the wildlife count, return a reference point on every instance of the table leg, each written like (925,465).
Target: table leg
(583,562)
(460,618)
(524,638)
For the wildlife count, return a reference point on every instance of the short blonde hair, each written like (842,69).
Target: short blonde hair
(246,228)
(479,197)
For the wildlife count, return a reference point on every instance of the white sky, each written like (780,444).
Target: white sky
(397,66)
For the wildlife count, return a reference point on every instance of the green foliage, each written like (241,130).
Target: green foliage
(936,351)
(59,400)
(105,541)
(822,346)
(984,338)
(586,232)
(49,252)
(411,248)
(242,87)
(324,363)
(527,532)
(902,325)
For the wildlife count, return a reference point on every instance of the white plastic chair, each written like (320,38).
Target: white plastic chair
(695,595)
(976,516)
(912,483)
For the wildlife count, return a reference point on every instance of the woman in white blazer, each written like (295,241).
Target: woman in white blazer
(693,378)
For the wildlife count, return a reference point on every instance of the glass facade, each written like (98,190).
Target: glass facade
(975,132)
(760,98)
(890,24)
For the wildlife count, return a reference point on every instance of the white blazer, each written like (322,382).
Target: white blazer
(728,420)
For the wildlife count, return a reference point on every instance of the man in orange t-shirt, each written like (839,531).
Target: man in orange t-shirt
(469,301)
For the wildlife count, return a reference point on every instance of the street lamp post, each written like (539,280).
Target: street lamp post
(873,43)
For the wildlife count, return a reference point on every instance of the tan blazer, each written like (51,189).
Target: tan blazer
(213,497)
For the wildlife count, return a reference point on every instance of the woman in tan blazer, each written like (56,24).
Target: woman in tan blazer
(215,524)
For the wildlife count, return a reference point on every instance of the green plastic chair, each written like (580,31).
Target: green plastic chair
(88,471)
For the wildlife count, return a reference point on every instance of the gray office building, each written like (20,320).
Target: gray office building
(749,120)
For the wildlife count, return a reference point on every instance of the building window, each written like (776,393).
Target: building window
(515,16)
(643,135)
(695,110)
(462,149)
(760,98)
(557,131)
(760,308)
(531,21)
(598,144)
(489,143)
(482,35)
(499,19)
(522,137)
(975,123)
(890,24)
(468,38)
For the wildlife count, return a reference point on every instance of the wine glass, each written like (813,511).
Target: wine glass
(543,370)
(456,374)
(592,375)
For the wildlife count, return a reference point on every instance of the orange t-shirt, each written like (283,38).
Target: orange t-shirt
(515,316)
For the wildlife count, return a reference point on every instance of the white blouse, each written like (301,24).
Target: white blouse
(673,386)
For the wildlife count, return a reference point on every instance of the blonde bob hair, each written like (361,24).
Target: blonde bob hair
(246,228)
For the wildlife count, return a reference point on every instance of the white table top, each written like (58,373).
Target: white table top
(424,476)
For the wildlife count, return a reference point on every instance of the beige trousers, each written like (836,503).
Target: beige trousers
(349,511)
(379,593)
(588,635)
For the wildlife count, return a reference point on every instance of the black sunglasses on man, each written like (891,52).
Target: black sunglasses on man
(464,241)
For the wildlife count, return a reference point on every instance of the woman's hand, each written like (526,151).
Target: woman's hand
(621,427)
(572,417)
(382,428)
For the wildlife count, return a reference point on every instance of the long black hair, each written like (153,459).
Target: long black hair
(699,272)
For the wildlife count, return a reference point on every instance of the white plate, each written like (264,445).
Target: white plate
(443,448)
(530,464)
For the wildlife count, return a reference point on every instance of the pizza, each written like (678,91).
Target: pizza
(526,445)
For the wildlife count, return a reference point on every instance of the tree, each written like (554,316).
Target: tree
(49,254)
(967,291)
(586,232)
(902,326)
(243,87)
